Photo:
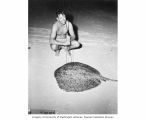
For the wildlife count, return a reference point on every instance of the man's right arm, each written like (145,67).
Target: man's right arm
(53,34)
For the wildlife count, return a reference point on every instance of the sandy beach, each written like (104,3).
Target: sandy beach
(97,32)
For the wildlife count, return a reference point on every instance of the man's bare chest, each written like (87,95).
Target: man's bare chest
(62,29)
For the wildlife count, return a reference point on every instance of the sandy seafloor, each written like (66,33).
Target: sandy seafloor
(97,31)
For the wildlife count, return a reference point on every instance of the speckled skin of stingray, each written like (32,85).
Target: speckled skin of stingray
(77,77)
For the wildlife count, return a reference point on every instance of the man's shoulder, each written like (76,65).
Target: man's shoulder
(68,22)
(55,24)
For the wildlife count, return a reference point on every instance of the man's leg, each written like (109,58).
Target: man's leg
(74,44)
(55,48)
(67,49)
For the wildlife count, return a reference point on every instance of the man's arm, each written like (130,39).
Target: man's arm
(71,31)
(53,34)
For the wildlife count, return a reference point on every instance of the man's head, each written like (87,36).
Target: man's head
(61,17)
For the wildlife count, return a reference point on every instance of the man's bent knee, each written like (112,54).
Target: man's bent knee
(54,47)
(75,44)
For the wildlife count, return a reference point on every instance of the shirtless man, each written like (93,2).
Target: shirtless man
(62,35)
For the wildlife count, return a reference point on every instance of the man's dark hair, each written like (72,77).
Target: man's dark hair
(58,12)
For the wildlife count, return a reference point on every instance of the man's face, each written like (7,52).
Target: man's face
(61,18)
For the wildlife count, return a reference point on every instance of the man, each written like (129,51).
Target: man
(62,35)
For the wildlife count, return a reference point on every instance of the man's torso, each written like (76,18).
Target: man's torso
(62,30)
(62,34)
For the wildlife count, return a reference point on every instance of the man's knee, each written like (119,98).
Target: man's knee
(75,44)
(54,47)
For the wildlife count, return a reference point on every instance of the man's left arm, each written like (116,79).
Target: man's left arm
(71,31)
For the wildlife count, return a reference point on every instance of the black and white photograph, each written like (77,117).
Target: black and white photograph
(72,57)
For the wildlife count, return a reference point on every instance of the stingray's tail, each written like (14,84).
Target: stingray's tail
(107,79)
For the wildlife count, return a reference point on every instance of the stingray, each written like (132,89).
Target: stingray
(77,77)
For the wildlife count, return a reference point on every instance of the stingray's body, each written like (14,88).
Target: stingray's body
(77,77)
